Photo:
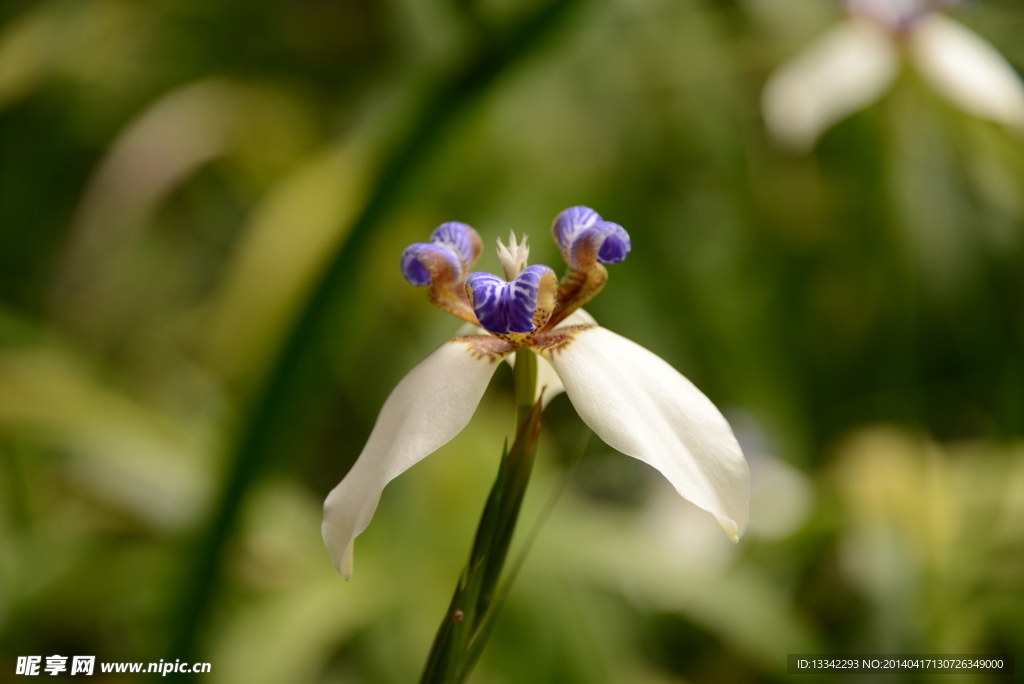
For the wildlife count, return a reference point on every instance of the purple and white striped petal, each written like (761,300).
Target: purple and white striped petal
(447,258)
(462,239)
(570,222)
(604,242)
(425,263)
(443,264)
(640,405)
(504,308)
(585,238)
(431,405)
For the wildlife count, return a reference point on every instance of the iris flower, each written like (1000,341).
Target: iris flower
(856,62)
(632,399)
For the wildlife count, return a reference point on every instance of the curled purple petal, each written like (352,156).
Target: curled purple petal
(585,237)
(615,243)
(424,263)
(607,243)
(570,222)
(461,239)
(452,249)
(507,307)
(413,269)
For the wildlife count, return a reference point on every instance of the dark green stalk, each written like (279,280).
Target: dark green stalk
(467,622)
(483,632)
(299,363)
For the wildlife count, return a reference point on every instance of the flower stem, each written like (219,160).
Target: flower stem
(525,378)
(477,599)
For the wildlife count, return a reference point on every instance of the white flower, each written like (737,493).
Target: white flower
(855,62)
(632,399)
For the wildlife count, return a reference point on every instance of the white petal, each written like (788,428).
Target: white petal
(547,378)
(577,317)
(640,405)
(548,381)
(847,69)
(425,411)
(967,70)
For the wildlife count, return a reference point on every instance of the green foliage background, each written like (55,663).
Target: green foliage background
(202,206)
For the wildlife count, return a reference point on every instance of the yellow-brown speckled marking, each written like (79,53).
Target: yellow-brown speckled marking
(551,342)
(451,297)
(547,300)
(485,346)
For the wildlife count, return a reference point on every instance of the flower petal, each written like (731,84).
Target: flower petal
(548,381)
(967,70)
(640,405)
(431,405)
(519,306)
(847,69)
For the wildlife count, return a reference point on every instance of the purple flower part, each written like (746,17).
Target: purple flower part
(615,245)
(459,238)
(605,242)
(898,15)
(452,249)
(503,307)
(423,263)
(570,223)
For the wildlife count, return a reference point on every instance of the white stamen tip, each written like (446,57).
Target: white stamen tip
(515,257)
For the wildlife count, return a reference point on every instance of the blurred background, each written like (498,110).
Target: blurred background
(202,208)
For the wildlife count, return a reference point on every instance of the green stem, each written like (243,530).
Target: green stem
(483,632)
(525,378)
(298,368)
(476,601)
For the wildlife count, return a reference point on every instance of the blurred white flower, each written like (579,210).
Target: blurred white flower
(855,62)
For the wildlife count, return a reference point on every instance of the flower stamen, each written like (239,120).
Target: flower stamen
(515,257)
